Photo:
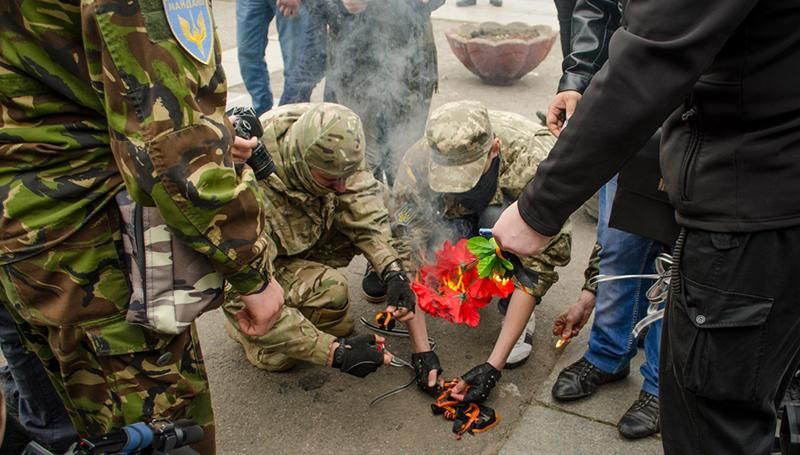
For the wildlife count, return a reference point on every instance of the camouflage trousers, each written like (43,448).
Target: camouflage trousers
(315,313)
(69,305)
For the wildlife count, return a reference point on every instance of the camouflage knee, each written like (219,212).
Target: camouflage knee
(328,305)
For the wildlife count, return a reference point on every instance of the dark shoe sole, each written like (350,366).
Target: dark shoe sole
(634,436)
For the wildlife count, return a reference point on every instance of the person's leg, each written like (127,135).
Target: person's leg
(315,313)
(309,65)
(729,341)
(252,24)
(108,372)
(620,304)
(39,408)
(291,39)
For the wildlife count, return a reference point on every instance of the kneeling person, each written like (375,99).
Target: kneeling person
(325,208)
(458,178)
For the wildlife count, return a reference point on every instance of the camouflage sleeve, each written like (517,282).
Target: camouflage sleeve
(361,215)
(164,95)
(410,216)
(592,270)
(557,254)
(524,161)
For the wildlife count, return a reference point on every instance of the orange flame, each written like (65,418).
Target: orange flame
(455,283)
(499,279)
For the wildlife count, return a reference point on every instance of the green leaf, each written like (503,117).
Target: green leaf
(481,246)
(486,265)
(506,264)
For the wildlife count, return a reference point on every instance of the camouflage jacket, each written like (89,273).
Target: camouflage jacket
(101,94)
(306,225)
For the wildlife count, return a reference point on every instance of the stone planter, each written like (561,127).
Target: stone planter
(501,54)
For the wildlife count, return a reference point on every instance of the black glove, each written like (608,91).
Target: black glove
(398,291)
(481,380)
(358,355)
(424,363)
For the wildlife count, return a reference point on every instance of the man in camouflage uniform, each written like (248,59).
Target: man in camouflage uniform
(330,210)
(93,99)
(459,177)
(382,65)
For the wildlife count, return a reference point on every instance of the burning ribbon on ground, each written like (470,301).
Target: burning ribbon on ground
(463,279)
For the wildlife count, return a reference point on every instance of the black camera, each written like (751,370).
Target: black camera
(247,125)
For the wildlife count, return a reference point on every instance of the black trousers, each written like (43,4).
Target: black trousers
(730,340)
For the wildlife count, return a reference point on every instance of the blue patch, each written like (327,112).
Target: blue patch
(192,25)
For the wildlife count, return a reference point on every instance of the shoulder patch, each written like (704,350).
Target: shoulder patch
(192,25)
(405,215)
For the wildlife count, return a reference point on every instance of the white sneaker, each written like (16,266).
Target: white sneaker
(523,347)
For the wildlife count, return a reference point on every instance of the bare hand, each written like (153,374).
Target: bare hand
(355,6)
(289,8)
(514,235)
(401,314)
(569,323)
(261,310)
(458,390)
(561,108)
(242,148)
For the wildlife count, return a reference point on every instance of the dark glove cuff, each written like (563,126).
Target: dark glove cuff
(393,268)
(482,372)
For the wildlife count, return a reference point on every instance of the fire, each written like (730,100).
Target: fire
(500,280)
(455,283)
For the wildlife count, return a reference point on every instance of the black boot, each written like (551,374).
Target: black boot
(641,419)
(373,287)
(581,379)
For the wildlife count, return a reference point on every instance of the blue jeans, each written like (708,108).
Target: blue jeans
(252,24)
(621,304)
(309,67)
(41,412)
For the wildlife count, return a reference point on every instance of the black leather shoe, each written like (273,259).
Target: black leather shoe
(581,379)
(641,419)
(373,287)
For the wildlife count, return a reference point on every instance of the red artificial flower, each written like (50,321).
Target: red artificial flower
(451,289)
(489,287)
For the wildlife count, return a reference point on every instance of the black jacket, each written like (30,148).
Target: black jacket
(725,70)
(592,24)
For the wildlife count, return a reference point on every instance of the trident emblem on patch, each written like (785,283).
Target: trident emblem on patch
(192,25)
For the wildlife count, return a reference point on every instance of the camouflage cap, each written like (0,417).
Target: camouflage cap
(330,139)
(460,137)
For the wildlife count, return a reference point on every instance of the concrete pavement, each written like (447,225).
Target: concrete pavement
(318,410)
(313,410)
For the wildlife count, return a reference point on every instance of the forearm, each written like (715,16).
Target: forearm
(519,312)
(418,333)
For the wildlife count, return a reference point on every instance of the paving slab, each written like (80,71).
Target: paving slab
(548,431)
(531,12)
